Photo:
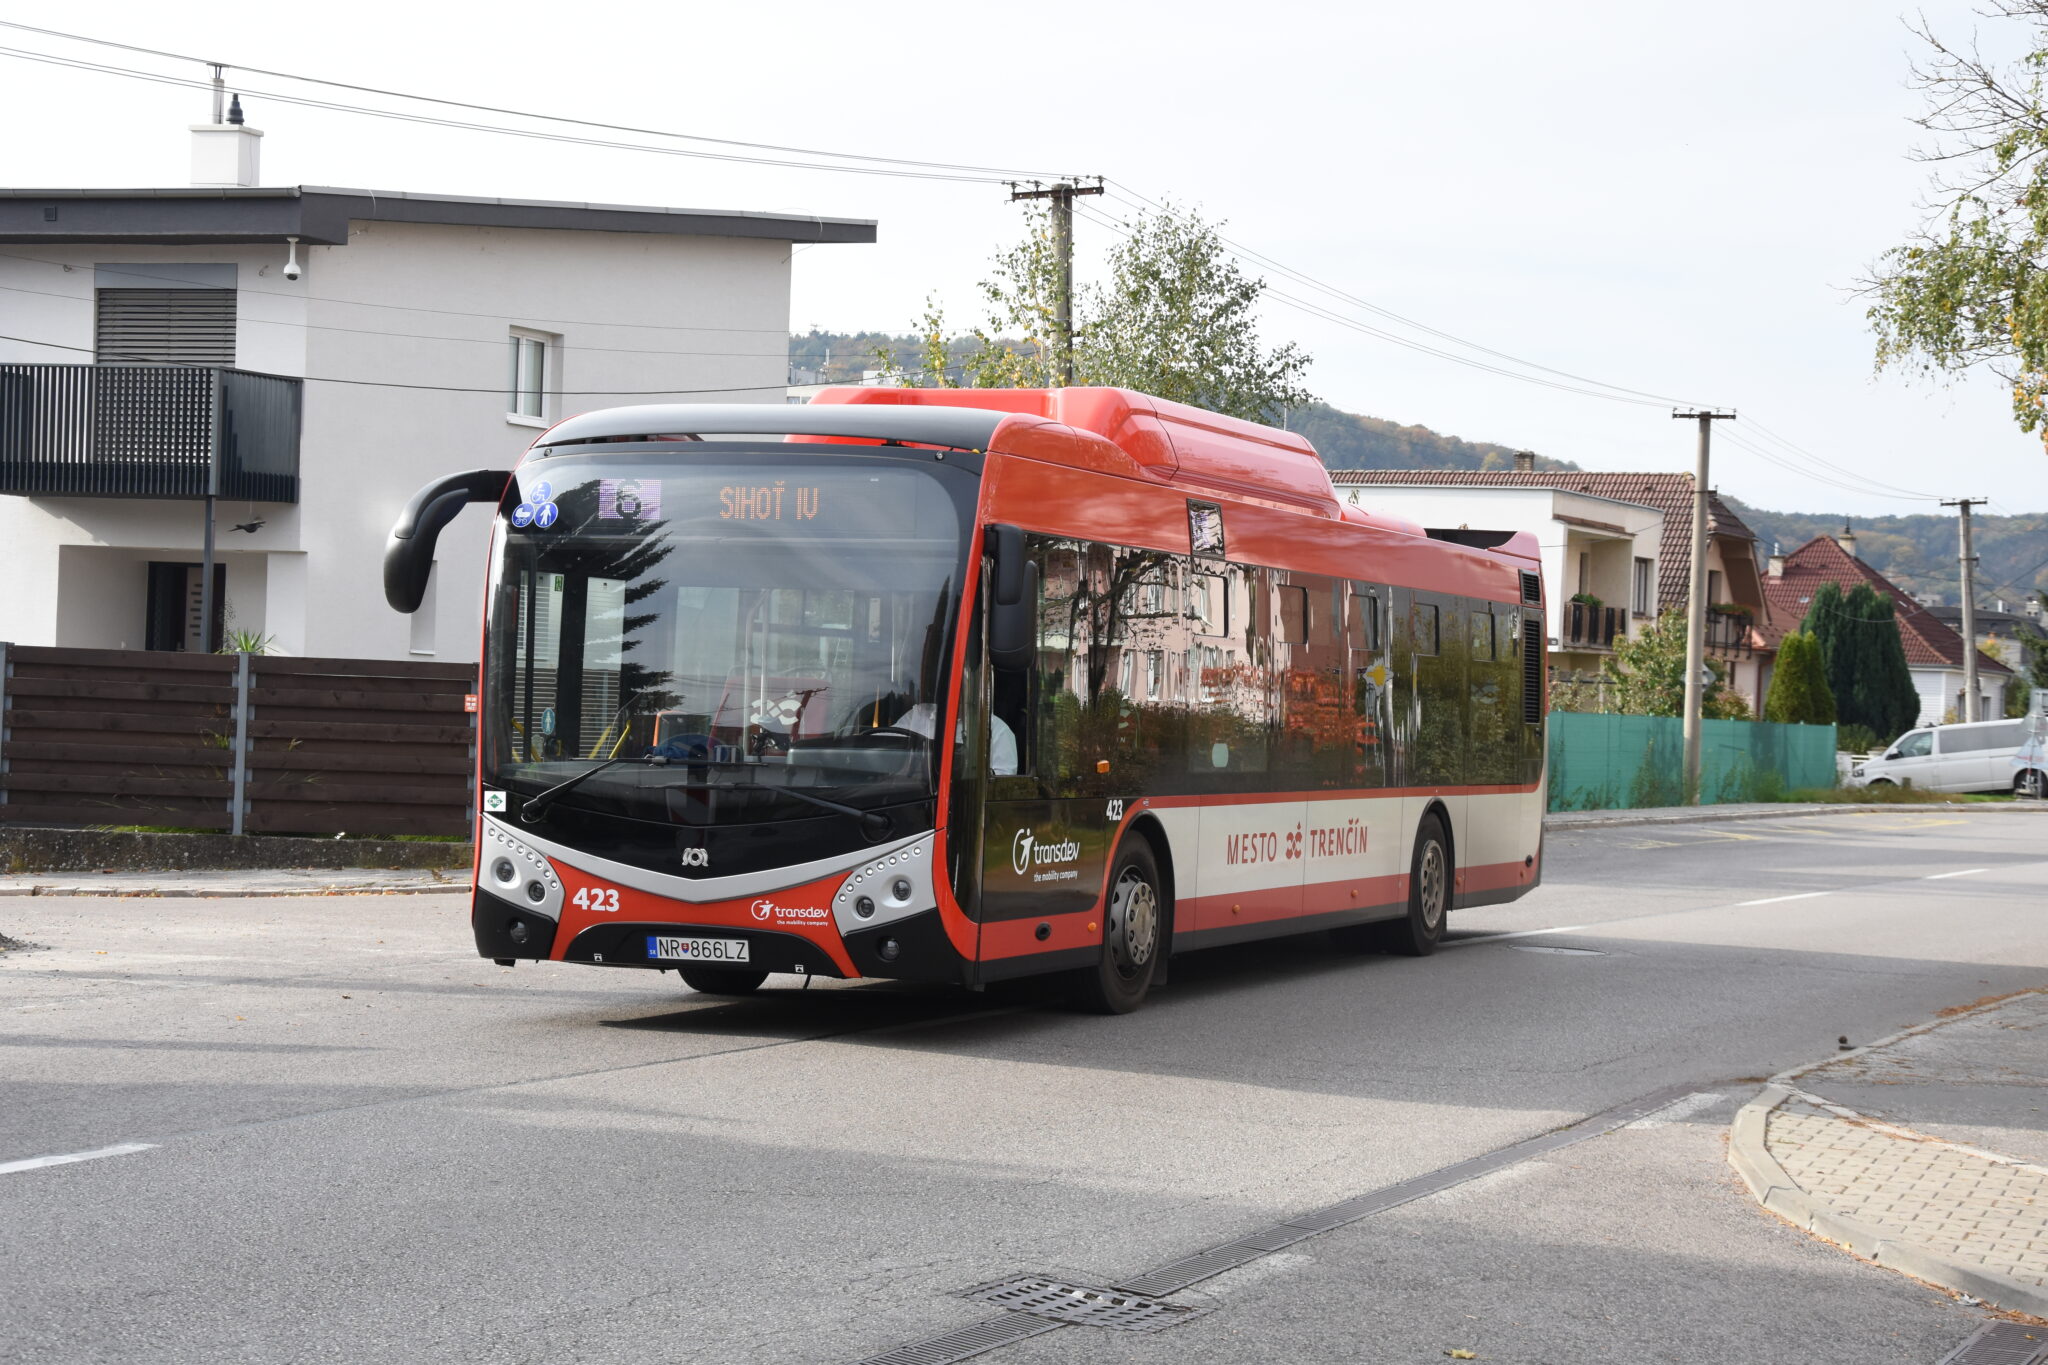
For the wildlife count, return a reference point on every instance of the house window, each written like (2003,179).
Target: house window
(177,326)
(1714,587)
(1585,571)
(533,355)
(1640,601)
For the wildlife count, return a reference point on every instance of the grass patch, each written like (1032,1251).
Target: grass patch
(1885,795)
(153,829)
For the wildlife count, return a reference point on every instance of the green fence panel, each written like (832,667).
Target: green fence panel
(1638,762)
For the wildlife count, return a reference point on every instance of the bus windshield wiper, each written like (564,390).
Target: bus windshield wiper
(534,809)
(873,821)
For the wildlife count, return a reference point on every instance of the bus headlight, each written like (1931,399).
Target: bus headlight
(888,888)
(518,871)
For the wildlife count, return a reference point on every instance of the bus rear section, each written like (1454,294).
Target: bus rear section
(964,686)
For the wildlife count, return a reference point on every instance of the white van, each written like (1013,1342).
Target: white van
(1949,758)
(2030,762)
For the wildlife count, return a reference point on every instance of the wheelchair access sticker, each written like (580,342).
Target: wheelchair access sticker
(538,510)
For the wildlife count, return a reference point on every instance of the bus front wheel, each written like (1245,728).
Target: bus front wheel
(721,980)
(1133,935)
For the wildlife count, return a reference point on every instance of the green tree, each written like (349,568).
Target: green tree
(1646,675)
(1864,658)
(1969,288)
(1176,318)
(1799,692)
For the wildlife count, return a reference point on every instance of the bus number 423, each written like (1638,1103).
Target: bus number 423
(602,898)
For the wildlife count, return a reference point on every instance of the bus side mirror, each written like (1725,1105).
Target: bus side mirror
(1012,600)
(409,552)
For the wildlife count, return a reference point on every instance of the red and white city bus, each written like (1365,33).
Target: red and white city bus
(965,685)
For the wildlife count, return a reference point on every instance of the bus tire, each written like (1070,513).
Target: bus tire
(1133,934)
(721,980)
(1429,894)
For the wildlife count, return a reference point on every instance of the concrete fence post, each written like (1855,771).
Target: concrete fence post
(240,772)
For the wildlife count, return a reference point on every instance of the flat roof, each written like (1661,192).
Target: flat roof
(319,215)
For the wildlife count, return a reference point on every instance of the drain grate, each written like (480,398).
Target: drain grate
(966,1343)
(1077,1303)
(2001,1343)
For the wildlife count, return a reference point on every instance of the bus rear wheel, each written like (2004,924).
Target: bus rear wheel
(1133,935)
(721,980)
(1429,895)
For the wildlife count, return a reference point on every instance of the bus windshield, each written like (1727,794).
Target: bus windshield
(737,641)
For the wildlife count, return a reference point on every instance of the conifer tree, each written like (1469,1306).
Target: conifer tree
(1799,685)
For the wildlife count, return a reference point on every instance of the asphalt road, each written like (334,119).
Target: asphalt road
(365,1144)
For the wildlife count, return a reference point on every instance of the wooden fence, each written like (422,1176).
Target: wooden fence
(243,743)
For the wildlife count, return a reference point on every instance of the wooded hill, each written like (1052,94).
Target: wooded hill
(1918,552)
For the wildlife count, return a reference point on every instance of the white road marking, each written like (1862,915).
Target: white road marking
(1966,872)
(1773,900)
(1678,1109)
(38,1162)
(1520,933)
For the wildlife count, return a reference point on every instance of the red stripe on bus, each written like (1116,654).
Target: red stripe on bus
(1360,794)
(1017,937)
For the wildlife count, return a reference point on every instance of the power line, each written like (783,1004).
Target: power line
(334,106)
(922,169)
(1329,315)
(1259,258)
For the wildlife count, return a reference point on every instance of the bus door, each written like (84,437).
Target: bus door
(1253,824)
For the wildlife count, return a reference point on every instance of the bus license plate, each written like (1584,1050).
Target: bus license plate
(661,948)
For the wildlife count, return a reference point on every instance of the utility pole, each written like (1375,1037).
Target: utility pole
(1696,605)
(1971,705)
(1062,196)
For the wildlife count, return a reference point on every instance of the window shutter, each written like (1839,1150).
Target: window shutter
(165,327)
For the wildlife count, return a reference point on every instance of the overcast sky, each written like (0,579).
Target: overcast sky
(1667,198)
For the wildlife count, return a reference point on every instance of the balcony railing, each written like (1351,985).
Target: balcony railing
(148,431)
(1587,627)
(1728,634)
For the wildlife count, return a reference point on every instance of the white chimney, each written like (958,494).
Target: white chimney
(1777,564)
(225,154)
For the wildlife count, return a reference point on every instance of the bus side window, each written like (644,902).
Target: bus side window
(1423,635)
(1369,678)
(1308,661)
(1442,651)
(1227,736)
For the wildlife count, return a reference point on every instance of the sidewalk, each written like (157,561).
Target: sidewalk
(296,881)
(1926,1152)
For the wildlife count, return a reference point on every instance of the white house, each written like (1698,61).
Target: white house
(315,355)
(1598,542)
(1592,548)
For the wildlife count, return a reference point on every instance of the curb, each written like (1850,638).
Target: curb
(1775,1189)
(205,893)
(1560,820)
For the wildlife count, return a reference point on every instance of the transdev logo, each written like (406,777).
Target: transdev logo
(1025,850)
(765,910)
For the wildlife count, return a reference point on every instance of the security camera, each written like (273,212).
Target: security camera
(291,260)
(292,271)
